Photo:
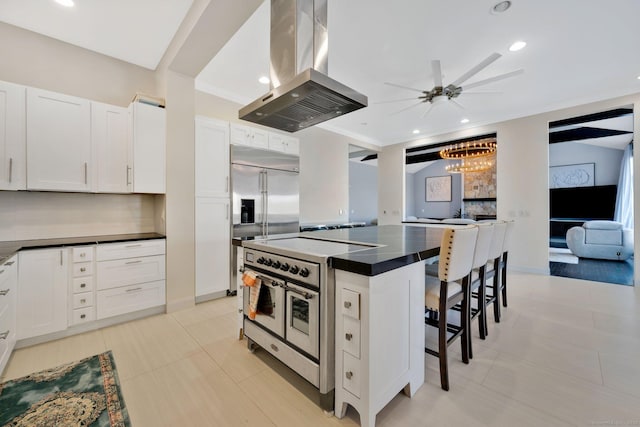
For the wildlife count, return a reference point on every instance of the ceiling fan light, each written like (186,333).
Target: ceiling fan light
(517,46)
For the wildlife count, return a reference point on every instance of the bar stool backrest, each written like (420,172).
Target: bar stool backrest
(456,252)
(507,236)
(499,231)
(483,244)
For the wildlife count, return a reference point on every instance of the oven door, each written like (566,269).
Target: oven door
(302,324)
(270,313)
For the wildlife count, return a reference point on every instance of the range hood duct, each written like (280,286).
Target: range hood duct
(301,94)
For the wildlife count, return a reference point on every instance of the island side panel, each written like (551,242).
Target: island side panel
(385,316)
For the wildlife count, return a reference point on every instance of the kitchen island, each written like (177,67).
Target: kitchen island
(377,309)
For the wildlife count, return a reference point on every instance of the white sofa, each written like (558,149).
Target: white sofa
(601,240)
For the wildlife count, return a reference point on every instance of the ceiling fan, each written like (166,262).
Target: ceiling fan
(440,93)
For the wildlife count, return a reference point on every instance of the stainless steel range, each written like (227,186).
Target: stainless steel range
(295,313)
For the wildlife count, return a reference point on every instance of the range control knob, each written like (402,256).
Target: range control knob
(294,269)
(304,272)
(268,262)
(284,267)
(276,264)
(261,260)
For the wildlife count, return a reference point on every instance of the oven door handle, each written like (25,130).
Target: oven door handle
(273,283)
(306,295)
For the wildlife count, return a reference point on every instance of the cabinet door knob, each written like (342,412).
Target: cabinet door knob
(82,301)
(4,335)
(82,316)
(3,292)
(349,375)
(82,255)
(348,336)
(347,304)
(83,269)
(83,285)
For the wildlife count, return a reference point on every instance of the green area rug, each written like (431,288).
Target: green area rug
(82,393)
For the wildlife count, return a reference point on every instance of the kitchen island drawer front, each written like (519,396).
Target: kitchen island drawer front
(82,300)
(351,336)
(350,304)
(82,269)
(82,254)
(133,249)
(83,315)
(82,284)
(127,299)
(122,272)
(351,375)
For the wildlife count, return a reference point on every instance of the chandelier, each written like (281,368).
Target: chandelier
(470,156)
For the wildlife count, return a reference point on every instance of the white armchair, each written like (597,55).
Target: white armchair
(602,240)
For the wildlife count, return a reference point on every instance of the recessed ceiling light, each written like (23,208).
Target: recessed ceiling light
(501,6)
(517,46)
(66,3)
(264,80)
(465,120)
(416,131)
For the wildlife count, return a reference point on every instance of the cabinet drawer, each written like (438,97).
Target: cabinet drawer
(134,249)
(122,272)
(127,299)
(351,336)
(350,303)
(82,300)
(82,284)
(82,269)
(82,315)
(84,253)
(351,376)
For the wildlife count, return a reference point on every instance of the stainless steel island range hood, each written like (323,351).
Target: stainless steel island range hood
(302,94)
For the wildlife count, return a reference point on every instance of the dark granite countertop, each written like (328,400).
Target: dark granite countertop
(8,249)
(399,246)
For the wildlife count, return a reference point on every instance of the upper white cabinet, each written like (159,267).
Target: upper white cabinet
(252,137)
(42,292)
(149,146)
(110,139)
(58,142)
(12,137)
(284,143)
(212,157)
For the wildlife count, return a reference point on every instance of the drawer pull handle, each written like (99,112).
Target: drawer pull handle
(4,335)
(83,254)
(134,262)
(274,347)
(4,292)
(82,316)
(83,285)
(83,269)
(349,375)
(133,290)
(82,301)
(133,246)
(9,263)
(347,304)
(348,336)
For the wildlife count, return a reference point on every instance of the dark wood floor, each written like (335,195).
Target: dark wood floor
(618,272)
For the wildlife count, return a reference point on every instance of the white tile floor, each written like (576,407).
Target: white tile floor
(566,353)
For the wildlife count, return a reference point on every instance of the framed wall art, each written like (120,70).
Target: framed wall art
(578,175)
(438,188)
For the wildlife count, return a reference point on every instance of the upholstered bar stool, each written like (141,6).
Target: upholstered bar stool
(451,287)
(493,269)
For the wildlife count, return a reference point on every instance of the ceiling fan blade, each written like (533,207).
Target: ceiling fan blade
(395,100)
(457,104)
(466,76)
(426,111)
(404,87)
(437,73)
(492,79)
(408,108)
(484,93)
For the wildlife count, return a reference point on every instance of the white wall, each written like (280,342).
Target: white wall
(523,164)
(363,192)
(607,160)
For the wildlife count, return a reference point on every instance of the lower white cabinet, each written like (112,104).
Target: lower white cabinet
(126,299)
(130,271)
(213,245)
(82,302)
(8,288)
(42,292)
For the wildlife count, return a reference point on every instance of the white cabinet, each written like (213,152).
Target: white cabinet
(284,143)
(213,245)
(8,300)
(42,292)
(110,143)
(148,124)
(13,172)
(58,142)
(252,137)
(212,157)
(130,277)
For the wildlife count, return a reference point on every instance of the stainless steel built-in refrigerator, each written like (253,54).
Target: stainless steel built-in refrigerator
(265,192)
